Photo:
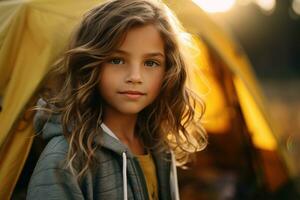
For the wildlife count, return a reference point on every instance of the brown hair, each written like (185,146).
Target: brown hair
(170,122)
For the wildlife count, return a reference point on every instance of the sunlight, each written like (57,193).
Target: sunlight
(296,6)
(266,5)
(214,6)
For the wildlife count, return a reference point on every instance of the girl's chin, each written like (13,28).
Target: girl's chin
(129,111)
(125,108)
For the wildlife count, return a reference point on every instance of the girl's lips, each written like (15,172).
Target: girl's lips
(132,94)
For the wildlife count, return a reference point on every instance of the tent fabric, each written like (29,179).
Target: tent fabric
(34,32)
(237,63)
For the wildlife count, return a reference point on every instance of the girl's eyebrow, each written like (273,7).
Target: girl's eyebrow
(146,55)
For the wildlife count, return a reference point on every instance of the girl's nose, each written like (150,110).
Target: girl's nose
(134,74)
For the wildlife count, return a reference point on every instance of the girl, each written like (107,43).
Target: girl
(123,109)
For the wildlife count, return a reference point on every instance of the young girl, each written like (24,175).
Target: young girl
(123,110)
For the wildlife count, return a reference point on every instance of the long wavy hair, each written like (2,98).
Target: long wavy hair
(171,122)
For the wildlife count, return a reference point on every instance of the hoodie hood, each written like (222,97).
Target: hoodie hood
(49,126)
(46,124)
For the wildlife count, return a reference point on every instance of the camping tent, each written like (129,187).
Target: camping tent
(34,32)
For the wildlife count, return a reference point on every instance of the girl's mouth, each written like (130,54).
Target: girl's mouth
(132,94)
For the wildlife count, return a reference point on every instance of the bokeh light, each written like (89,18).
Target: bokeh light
(266,5)
(215,6)
(296,6)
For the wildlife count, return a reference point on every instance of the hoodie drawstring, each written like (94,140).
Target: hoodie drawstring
(124,175)
(124,156)
(174,178)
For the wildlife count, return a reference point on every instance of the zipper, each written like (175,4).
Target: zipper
(141,178)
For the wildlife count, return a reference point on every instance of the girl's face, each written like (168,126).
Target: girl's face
(132,77)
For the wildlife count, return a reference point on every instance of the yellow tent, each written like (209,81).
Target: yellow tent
(34,32)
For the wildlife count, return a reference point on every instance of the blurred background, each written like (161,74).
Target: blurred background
(269,33)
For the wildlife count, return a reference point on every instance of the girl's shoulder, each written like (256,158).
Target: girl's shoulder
(56,146)
(53,155)
(50,175)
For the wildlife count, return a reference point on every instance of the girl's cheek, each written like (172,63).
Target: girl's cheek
(157,83)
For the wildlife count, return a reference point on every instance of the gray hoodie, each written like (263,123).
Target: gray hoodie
(105,179)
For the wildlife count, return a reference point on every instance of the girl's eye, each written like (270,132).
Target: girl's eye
(116,61)
(151,63)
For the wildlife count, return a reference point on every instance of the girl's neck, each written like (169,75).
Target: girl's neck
(122,125)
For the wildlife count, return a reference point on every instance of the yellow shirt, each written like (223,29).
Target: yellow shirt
(149,170)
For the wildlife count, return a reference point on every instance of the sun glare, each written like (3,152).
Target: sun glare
(266,5)
(215,6)
(296,6)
